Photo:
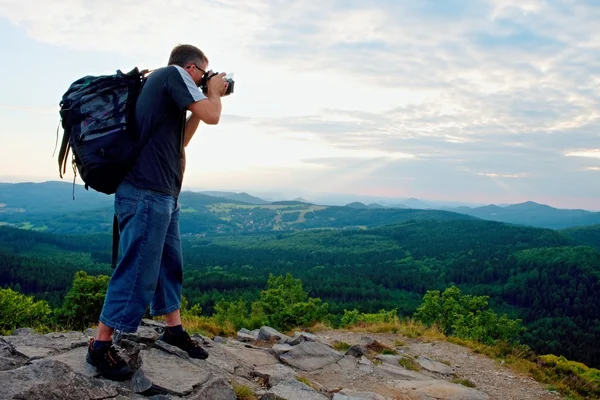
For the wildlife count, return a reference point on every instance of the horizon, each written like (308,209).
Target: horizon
(336,199)
(481,102)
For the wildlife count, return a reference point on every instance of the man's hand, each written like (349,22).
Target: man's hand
(217,86)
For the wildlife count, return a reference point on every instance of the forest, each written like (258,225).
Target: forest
(546,278)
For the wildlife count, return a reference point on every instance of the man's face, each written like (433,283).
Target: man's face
(197,70)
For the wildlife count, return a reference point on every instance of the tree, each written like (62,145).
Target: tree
(83,303)
(467,317)
(285,304)
(19,311)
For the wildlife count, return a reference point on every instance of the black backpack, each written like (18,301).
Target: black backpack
(97,115)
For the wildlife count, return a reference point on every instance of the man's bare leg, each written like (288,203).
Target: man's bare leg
(173,318)
(104,332)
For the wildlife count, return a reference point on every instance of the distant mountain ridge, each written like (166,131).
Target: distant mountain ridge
(532,214)
(56,198)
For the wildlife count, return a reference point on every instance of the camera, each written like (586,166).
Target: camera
(208,75)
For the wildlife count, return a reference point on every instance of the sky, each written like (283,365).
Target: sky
(482,101)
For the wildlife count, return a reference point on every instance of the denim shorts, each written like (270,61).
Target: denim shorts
(150,268)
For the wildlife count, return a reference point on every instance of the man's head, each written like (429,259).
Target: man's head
(190,58)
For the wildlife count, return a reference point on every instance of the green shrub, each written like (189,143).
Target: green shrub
(20,311)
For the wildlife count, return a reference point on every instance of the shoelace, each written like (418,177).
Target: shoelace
(113,356)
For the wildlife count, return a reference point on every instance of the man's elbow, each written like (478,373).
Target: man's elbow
(212,119)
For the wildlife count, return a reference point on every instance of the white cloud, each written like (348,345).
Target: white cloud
(505,87)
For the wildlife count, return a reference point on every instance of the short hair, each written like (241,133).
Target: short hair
(186,53)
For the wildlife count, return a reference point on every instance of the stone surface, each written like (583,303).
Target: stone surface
(216,388)
(34,345)
(173,374)
(294,390)
(434,366)
(356,350)
(300,337)
(144,334)
(438,389)
(309,356)
(75,359)
(275,374)
(347,394)
(279,349)
(51,379)
(267,334)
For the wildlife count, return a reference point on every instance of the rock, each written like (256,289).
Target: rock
(51,379)
(439,389)
(89,332)
(309,356)
(300,337)
(356,350)
(244,335)
(76,360)
(293,390)
(275,374)
(160,325)
(139,382)
(267,334)
(144,334)
(398,372)
(215,389)
(434,366)
(346,394)
(173,374)
(279,349)
(220,339)
(253,357)
(388,359)
(33,345)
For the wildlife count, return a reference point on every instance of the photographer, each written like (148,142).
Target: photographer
(150,271)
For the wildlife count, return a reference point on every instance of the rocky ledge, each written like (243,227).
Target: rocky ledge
(270,364)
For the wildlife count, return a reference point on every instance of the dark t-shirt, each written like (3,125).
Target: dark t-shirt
(161,112)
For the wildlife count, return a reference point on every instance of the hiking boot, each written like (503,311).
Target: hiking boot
(184,342)
(108,362)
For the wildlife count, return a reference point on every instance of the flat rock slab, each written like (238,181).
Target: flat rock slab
(401,373)
(173,374)
(267,333)
(34,345)
(275,374)
(309,356)
(251,356)
(144,334)
(293,390)
(434,366)
(439,389)
(51,379)
(300,337)
(76,360)
(347,394)
(215,389)
(280,349)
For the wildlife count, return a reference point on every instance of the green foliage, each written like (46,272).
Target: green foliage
(286,305)
(409,363)
(467,317)
(354,317)
(83,303)
(341,346)
(236,314)
(570,377)
(19,311)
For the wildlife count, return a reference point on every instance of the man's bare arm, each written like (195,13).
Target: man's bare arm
(191,125)
(207,110)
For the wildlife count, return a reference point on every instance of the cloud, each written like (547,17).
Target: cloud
(454,95)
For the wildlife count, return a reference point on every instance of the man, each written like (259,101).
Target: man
(150,271)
